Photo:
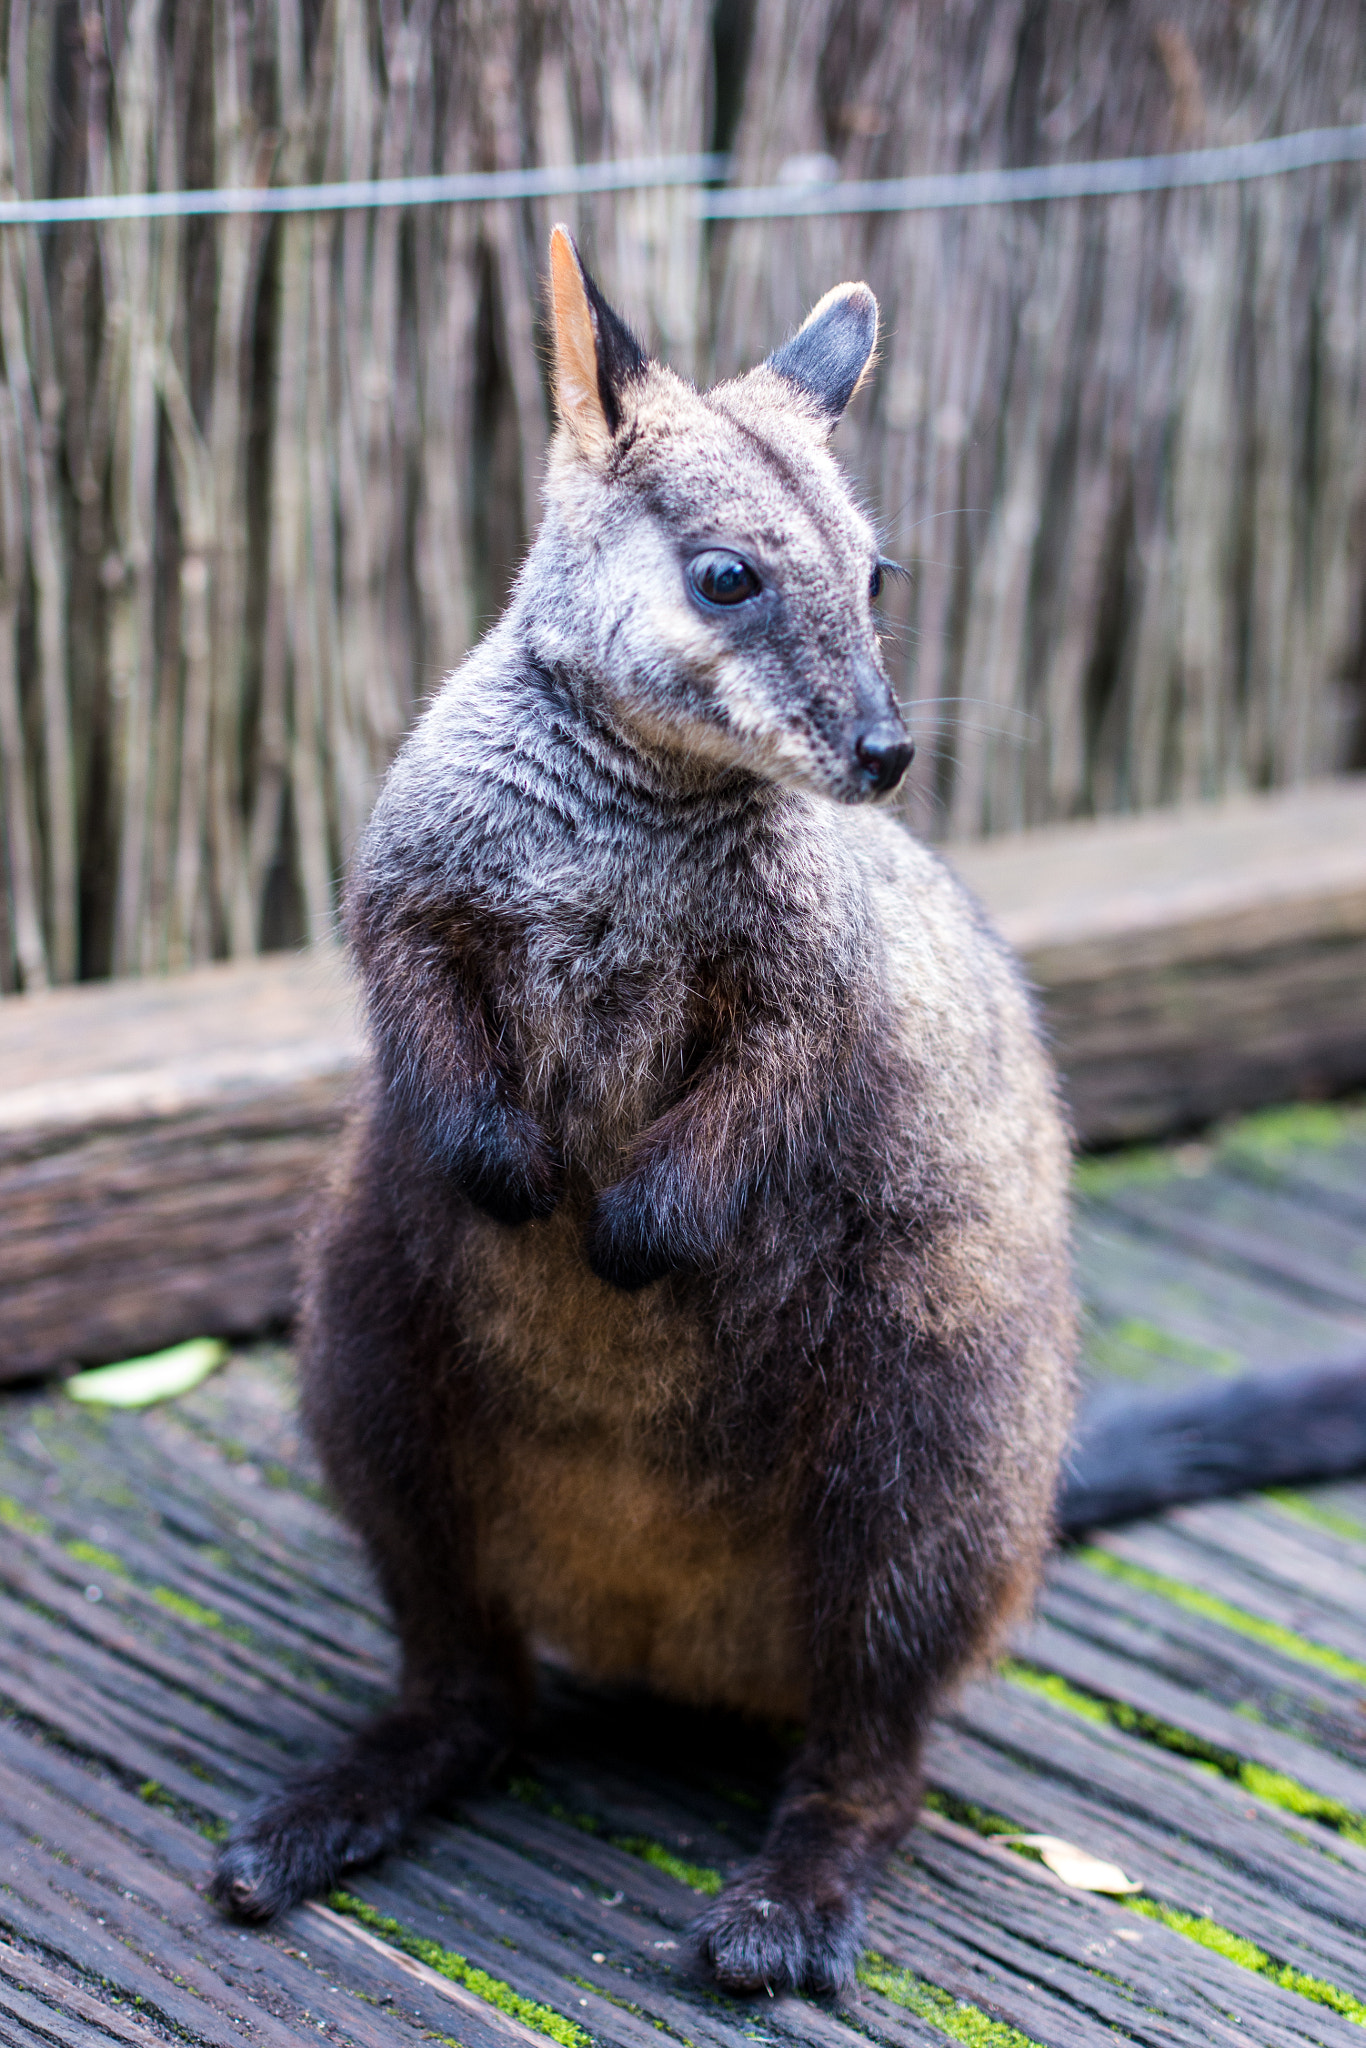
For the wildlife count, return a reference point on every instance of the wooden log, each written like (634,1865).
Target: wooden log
(161,1140)
(159,1144)
(1192,962)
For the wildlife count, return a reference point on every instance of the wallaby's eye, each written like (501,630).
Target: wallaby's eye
(722,578)
(875,582)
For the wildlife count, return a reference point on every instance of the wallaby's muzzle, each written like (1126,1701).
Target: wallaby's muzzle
(883,753)
(883,749)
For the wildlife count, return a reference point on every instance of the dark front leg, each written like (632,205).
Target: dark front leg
(912,1565)
(444,1062)
(383,1402)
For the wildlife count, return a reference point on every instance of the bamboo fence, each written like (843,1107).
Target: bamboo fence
(263,481)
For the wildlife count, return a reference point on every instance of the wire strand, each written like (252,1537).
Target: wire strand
(1112,178)
(464,188)
(1309,149)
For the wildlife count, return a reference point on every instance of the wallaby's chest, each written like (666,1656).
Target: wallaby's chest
(601,1025)
(616,961)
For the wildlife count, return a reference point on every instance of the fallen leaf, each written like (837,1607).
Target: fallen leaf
(136,1382)
(1077,1867)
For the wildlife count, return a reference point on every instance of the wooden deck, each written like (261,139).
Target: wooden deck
(183,1618)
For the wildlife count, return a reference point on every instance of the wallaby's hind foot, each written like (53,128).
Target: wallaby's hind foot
(794,1920)
(299,1840)
(780,1929)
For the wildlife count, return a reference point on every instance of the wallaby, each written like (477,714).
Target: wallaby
(693,1298)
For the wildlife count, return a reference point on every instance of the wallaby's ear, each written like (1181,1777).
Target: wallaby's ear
(596,354)
(828,355)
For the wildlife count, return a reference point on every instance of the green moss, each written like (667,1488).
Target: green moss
(154,1794)
(1137,1335)
(1316,1515)
(1293,1127)
(114,1494)
(699,1876)
(1049,1686)
(1136,1166)
(447,1963)
(1233,1947)
(1288,1793)
(13,1516)
(187,1609)
(1211,1608)
(103,1560)
(967,1816)
(1236,1948)
(952,2016)
(1273,1786)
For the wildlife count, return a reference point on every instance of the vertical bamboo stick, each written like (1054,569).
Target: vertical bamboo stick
(26,919)
(218,636)
(32,376)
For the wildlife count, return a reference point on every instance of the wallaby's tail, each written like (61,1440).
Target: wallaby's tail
(1136,1452)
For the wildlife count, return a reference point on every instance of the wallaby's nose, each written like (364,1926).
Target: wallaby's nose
(884,754)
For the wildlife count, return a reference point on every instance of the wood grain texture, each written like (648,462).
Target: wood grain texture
(160,1146)
(1194,961)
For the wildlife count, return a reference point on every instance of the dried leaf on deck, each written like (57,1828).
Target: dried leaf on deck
(1077,1867)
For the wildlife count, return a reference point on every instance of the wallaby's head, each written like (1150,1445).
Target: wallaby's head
(703,559)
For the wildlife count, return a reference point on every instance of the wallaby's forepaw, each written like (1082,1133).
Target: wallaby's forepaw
(507,1167)
(629,1243)
(770,1931)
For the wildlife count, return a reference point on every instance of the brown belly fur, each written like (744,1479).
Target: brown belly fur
(612,1566)
(582,1531)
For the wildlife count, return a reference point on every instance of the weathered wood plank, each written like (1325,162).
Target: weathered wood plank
(1163,1547)
(1041,1977)
(1221,1320)
(1064,1965)
(1331,1180)
(1286,1553)
(1261,1242)
(160,1143)
(120,1921)
(1173,1868)
(1221,1821)
(38,2005)
(1133,1683)
(1208,1657)
(1193,962)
